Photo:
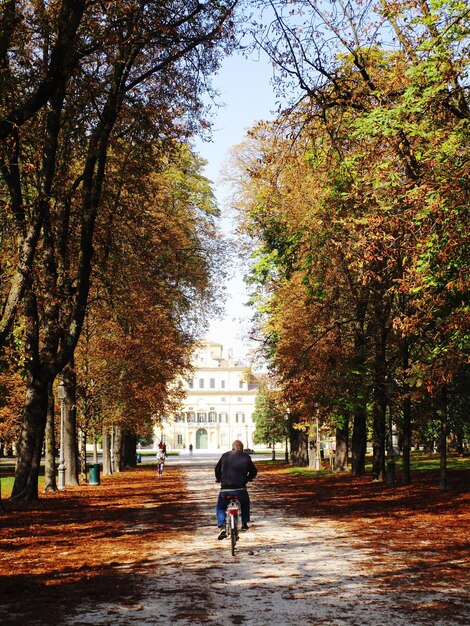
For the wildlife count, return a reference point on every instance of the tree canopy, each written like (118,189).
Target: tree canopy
(355,200)
(96,100)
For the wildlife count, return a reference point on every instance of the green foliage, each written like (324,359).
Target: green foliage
(357,200)
(270,417)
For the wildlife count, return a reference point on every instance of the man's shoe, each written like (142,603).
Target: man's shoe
(245,526)
(222,534)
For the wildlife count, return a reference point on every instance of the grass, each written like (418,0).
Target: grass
(421,461)
(6,485)
(7,474)
(418,462)
(152,453)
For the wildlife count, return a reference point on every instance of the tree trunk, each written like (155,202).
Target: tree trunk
(118,465)
(50,483)
(379,410)
(459,437)
(27,248)
(95,448)
(70,430)
(106,443)
(82,454)
(359,434)
(129,450)
(359,442)
(443,443)
(406,415)
(341,451)
(25,486)
(406,440)
(313,461)
(378,436)
(298,447)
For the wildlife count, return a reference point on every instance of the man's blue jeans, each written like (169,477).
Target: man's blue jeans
(222,502)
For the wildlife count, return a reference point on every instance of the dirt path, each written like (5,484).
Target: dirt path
(288,570)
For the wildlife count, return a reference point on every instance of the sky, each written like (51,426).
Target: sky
(244,87)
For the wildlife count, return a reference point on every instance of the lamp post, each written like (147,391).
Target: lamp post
(318,449)
(287,418)
(61,394)
(112,449)
(273,457)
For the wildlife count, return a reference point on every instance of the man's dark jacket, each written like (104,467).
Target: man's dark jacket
(235,469)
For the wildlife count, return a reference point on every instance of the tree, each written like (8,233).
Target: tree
(269,417)
(153,292)
(381,129)
(27,86)
(141,76)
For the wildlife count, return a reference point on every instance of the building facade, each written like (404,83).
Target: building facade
(219,404)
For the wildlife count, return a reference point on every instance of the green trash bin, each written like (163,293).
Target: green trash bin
(94,474)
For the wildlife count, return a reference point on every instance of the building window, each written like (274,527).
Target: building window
(240,417)
(239,399)
(201,383)
(212,416)
(223,399)
(222,384)
(191,417)
(201,417)
(179,418)
(223,418)
(191,383)
(240,384)
(179,440)
(212,383)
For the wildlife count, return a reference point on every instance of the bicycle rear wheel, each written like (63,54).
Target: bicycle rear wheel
(233,534)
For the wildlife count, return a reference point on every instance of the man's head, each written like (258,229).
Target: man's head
(237,445)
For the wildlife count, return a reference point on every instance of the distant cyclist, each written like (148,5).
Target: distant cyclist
(233,471)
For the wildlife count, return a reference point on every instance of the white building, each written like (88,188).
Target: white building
(219,404)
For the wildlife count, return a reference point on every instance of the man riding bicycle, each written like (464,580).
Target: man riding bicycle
(233,471)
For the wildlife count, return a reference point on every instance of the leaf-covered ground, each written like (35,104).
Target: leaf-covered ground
(116,552)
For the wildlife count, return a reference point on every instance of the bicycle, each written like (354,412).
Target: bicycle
(233,516)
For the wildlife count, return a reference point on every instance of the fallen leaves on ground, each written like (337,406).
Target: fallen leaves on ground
(97,541)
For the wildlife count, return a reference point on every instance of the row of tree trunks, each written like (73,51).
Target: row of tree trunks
(382,309)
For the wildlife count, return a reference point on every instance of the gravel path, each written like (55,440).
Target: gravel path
(286,572)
